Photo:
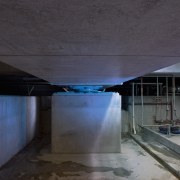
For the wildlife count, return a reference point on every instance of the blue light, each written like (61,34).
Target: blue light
(86,89)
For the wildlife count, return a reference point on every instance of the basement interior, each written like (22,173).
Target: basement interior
(89,90)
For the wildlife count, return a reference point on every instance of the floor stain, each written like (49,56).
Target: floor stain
(69,168)
(158,165)
(122,172)
(141,153)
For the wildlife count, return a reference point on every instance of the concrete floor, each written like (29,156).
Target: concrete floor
(169,158)
(37,163)
(175,139)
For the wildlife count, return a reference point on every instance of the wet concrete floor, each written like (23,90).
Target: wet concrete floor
(36,162)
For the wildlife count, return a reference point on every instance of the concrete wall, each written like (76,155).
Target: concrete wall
(86,123)
(150,111)
(18,124)
(125,121)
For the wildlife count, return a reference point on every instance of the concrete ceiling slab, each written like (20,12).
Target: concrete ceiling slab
(174,69)
(88,70)
(89,42)
(7,70)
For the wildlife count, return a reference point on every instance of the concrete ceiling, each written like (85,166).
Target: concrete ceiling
(174,69)
(89,41)
(7,70)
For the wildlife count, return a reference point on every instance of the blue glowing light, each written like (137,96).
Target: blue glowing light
(86,89)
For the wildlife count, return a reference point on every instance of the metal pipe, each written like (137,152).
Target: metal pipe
(174,97)
(169,130)
(133,112)
(167,98)
(157,97)
(142,103)
(157,125)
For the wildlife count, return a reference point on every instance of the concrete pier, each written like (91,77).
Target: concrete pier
(86,123)
(19,118)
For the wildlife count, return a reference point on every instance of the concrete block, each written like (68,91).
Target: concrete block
(18,121)
(86,123)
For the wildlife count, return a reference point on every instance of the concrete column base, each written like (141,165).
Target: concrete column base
(86,123)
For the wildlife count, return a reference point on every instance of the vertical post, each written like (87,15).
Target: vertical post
(133,112)
(167,98)
(169,130)
(174,98)
(157,97)
(142,102)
